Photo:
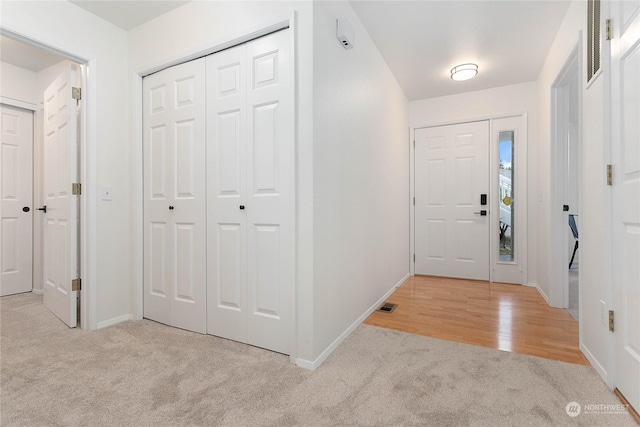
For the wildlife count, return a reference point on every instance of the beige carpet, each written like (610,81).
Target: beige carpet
(143,374)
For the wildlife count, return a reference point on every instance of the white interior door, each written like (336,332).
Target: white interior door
(626,196)
(451,174)
(61,218)
(251,185)
(174,196)
(16,231)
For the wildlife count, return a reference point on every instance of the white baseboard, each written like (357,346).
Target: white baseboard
(111,322)
(37,291)
(313,365)
(540,291)
(594,362)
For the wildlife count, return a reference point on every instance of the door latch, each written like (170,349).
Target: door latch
(481,213)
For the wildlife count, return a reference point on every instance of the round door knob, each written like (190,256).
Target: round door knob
(26,209)
(170,208)
(241,207)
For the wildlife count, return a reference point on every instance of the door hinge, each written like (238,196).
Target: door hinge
(609,175)
(608,29)
(76,93)
(611,321)
(76,284)
(76,188)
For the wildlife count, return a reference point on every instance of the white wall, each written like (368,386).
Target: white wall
(71,29)
(483,104)
(595,280)
(360,176)
(200,25)
(18,84)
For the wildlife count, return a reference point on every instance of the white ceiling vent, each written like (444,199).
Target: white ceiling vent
(344,32)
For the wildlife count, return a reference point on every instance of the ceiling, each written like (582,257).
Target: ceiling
(128,14)
(26,56)
(422,40)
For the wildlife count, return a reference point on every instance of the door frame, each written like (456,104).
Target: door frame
(209,48)
(558,256)
(88,176)
(523,206)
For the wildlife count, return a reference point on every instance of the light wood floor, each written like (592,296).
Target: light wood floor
(506,317)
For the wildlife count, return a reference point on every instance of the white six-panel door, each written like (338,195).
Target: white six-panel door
(250,175)
(625,80)
(174,196)
(451,172)
(16,158)
(61,219)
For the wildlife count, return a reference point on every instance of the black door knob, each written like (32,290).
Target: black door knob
(170,208)
(565,208)
(241,207)
(26,209)
(43,209)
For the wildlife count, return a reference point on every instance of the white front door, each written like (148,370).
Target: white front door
(250,175)
(16,158)
(174,196)
(451,174)
(61,218)
(625,79)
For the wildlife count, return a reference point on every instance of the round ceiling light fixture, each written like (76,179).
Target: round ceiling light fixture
(464,72)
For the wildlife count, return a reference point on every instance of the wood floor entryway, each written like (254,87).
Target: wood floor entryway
(511,318)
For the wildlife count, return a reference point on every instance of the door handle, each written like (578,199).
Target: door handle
(43,209)
(241,207)
(565,208)
(481,213)
(26,209)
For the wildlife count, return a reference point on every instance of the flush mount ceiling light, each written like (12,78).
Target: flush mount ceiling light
(464,72)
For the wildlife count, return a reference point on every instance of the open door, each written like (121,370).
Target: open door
(60,210)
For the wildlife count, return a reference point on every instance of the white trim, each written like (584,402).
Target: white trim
(540,291)
(88,161)
(313,365)
(188,55)
(37,291)
(594,362)
(114,321)
(469,120)
(17,103)
(412,195)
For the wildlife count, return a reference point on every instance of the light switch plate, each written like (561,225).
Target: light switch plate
(106,192)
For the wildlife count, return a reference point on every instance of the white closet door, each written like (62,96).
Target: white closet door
(16,182)
(174,196)
(250,185)
(226,188)
(270,187)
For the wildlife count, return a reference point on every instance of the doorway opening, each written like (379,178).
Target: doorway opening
(44,82)
(566,186)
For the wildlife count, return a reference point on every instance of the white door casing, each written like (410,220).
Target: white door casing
(625,116)
(174,196)
(16,182)
(451,173)
(61,219)
(251,164)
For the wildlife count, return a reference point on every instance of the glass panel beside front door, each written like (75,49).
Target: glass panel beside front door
(505,190)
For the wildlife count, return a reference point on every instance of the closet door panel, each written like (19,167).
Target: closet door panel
(226,187)
(270,188)
(174,196)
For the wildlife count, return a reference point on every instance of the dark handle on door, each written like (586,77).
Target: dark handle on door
(241,207)
(43,209)
(483,199)
(170,208)
(26,209)
(481,213)
(565,208)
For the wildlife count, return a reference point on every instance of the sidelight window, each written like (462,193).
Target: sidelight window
(506,199)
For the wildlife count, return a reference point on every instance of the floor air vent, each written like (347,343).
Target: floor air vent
(387,307)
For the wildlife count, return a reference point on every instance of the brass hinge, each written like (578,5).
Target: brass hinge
(76,93)
(609,175)
(608,29)
(76,284)
(76,188)
(611,321)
